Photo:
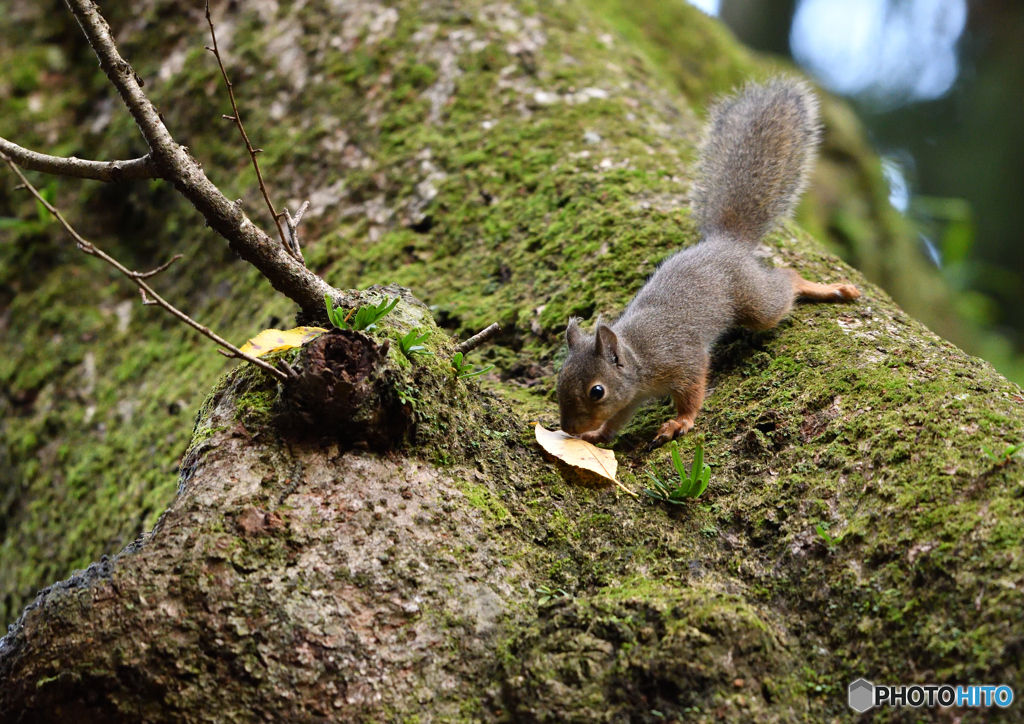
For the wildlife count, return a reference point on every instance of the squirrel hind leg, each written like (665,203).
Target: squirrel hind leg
(764,295)
(812,291)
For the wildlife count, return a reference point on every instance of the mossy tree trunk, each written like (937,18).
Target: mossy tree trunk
(506,162)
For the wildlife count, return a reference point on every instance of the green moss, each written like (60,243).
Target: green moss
(482,498)
(684,46)
(653,649)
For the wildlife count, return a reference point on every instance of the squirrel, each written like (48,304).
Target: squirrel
(754,161)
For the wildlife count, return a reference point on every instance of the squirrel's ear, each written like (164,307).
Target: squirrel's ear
(573,336)
(606,344)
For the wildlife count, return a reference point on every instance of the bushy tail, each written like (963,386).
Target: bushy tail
(755,159)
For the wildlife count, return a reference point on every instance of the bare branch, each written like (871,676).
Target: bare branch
(237,118)
(293,230)
(173,162)
(162,267)
(126,82)
(302,210)
(149,297)
(133,170)
(478,339)
(288,369)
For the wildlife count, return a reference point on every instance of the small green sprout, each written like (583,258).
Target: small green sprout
(830,540)
(366,317)
(691,485)
(411,343)
(550,594)
(1003,457)
(406,395)
(462,370)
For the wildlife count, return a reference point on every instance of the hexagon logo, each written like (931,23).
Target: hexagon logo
(862,695)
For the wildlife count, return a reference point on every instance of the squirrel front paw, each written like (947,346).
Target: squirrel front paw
(670,431)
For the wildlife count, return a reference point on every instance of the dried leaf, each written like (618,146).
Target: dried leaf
(272,340)
(579,454)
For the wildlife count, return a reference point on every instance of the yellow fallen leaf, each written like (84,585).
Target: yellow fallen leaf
(271,340)
(579,454)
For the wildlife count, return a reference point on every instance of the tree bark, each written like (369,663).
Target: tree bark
(511,164)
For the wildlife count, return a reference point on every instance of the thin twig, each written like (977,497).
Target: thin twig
(293,229)
(288,369)
(153,273)
(302,210)
(237,118)
(133,170)
(478,339)
(149,296)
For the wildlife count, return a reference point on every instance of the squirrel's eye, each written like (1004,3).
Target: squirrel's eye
(596,392)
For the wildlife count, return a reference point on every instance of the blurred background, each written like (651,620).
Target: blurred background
(939,86)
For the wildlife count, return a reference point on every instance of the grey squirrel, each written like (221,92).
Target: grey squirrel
(754,161)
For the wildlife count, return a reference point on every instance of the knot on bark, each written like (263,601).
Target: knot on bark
(346,390)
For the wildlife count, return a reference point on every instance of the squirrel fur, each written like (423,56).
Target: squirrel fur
(758,150)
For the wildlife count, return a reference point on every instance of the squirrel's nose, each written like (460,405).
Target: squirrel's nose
(577,427)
